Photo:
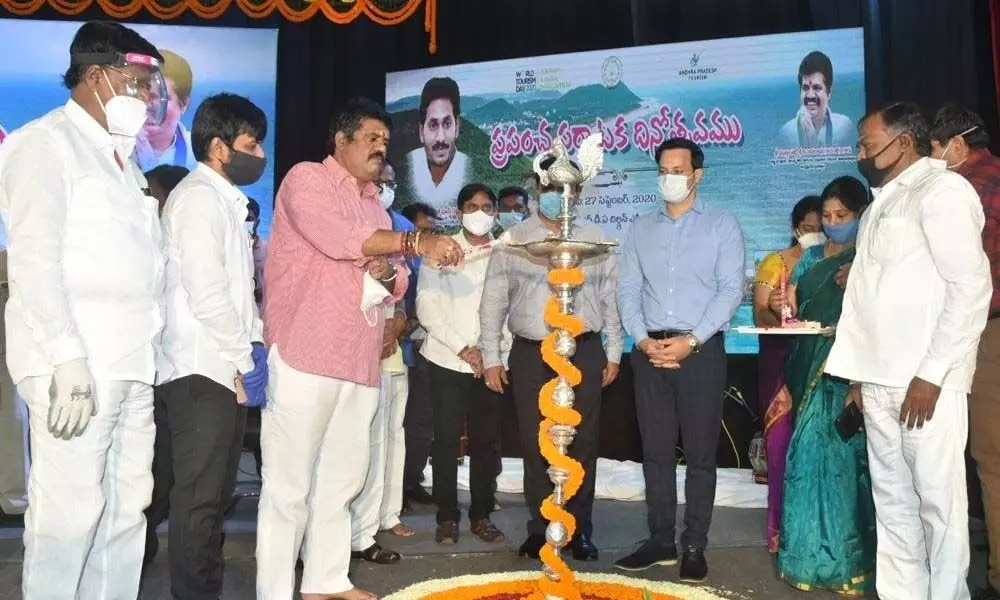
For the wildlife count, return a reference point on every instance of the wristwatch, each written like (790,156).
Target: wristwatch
(694,343)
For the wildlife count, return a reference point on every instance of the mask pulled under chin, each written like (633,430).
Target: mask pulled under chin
(372,294)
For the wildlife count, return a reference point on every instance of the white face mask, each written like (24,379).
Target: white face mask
(386,197)
(948,145)
(372,294)
(477,223)
(808,240)
(674,187)
(125,115)
(248,226)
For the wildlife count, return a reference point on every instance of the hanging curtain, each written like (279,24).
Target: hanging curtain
(383,12)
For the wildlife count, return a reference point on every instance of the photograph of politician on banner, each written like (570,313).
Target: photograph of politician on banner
(775,116)
(198,62)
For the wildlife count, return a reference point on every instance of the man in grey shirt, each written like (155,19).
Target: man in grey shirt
(517,290)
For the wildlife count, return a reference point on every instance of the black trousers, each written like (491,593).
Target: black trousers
(461,398)
(418,424)
(688,399)
(199,439)
(528,373)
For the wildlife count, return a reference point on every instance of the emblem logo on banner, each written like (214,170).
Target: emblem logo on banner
(611,71)
(3,133)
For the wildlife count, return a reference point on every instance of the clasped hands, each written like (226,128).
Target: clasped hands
(666,354)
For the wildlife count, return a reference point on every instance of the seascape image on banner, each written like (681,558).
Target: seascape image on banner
(199,62)
(770,137)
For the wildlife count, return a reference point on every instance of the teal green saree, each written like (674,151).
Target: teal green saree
(828,517)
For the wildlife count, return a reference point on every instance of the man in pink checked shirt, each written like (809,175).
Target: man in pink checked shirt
(333,262)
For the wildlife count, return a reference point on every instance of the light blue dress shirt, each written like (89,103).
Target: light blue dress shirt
(685,274)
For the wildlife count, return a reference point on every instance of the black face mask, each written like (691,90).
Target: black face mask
(875,175)
(243,168)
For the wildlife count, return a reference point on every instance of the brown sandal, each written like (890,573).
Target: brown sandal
(485,530)
(378,555)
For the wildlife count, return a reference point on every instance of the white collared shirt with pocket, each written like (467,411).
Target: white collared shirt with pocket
(919,290)
(85,251)
(212,318)
(448,307)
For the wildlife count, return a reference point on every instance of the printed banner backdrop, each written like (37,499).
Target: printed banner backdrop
(740,99)
(35,54)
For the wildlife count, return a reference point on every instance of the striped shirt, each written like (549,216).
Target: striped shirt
(315,269)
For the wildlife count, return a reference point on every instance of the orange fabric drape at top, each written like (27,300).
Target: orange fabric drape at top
(253,9)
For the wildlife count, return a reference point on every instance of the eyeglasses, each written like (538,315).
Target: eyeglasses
(387,184)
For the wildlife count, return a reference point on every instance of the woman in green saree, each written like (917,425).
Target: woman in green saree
(828,517)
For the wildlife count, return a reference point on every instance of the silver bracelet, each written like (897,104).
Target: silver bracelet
(388,279)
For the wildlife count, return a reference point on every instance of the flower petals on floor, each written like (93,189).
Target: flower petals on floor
(520,585)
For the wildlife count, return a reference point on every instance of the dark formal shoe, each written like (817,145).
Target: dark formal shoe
(649,555)
(447,533)
(987,593)
(583,548)
(378,555)
(694,569)
(531,546)
(485,530)
(419,496)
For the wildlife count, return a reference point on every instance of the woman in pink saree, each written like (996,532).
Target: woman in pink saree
(773,395)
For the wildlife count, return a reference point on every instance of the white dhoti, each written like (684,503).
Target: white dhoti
(379,505)
(921,507)
(314,441)
(14,459)
(85,531)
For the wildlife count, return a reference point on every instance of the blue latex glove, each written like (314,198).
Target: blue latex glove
(255,382)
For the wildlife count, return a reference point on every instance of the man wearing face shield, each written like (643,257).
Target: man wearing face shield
(910,352)
(958,137)
(515,292)
(86,306)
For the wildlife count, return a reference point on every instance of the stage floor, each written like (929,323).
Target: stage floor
(740,566)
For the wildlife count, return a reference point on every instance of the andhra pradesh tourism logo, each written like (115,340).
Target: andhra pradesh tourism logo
(611,71)
(696,70)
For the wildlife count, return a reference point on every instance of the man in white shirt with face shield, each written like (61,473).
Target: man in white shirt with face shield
(86,281)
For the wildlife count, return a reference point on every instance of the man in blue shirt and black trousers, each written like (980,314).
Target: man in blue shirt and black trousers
(681,280)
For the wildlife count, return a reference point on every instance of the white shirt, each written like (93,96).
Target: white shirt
(837,130)
(448,307)
(442,196)
(212,318)
(85,252)
(919,290)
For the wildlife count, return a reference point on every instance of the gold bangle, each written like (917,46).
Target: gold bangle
(416,244)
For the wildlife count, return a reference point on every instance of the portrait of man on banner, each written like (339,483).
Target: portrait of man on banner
(815,123)
(437,169)
(169,143)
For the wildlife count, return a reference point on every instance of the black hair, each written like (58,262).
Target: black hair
(253,210)
(104,37)
(852,194)
(470,190)
(411,211)
(440,88)
(166,176)
(904,117)
(697,154)
(817,62)
(952,120)
(513,190)
(225,116)
(802,208)
(352,114)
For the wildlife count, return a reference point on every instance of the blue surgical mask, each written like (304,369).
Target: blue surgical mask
(843,233)
(550,204)
(509,219)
